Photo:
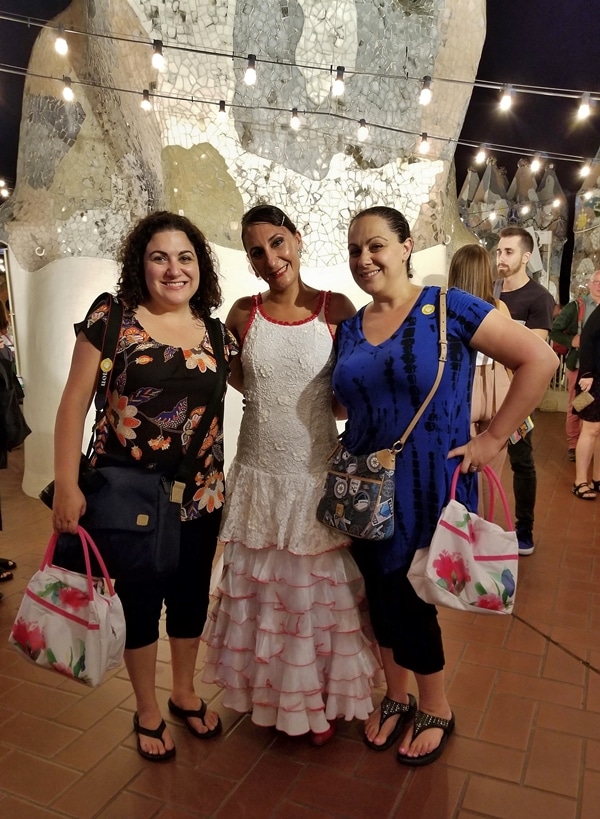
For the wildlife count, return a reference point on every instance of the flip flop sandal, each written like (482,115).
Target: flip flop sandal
(4,576)
(6,564)
(155,733)
(389,708)
(424,722)
(185,714)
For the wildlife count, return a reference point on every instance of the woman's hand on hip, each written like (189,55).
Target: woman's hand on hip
(478,452)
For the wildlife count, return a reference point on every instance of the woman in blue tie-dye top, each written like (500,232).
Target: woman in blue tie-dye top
(387,357)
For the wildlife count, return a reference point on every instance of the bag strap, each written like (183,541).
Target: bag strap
(188,464)
(399,445)
(86,541)
(494,483)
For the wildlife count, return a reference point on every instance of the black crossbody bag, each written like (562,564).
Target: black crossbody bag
(134,515)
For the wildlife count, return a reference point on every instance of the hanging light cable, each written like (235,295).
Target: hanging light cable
(158,60)
(337,89)
(145,104)
(295,120)
(363,131)
(425,95)
(250,75)
(67,91)
(60,44)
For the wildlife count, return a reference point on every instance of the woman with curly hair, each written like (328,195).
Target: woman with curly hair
(164,375)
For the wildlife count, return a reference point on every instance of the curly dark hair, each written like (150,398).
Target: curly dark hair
(132,288)
(396,222)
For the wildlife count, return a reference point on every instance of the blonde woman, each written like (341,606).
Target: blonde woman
(471,271)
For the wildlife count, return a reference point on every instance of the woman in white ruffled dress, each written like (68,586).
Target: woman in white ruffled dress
(285,637)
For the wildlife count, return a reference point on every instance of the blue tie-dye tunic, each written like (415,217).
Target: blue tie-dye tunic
(383,386)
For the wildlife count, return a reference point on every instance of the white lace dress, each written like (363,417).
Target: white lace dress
(284,633)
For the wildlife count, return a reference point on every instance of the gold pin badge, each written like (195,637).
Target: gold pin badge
(106,365)
(428,309)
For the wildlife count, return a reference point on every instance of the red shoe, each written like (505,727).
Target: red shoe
(324,737)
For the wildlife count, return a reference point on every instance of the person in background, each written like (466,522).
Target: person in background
(163,378)
(284,635)
(471,271)
(566,331)
(588,445)
(387,360)
(530,304)
(7,347)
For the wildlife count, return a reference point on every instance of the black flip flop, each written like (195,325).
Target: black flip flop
(185,714)
(6,564)
(389,708)
(155,733)
(422,723)
(4,576)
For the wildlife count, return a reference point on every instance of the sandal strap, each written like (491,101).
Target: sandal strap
(389,708)
(155,733)
(425,721)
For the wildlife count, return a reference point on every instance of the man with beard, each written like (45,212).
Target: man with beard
(530,304)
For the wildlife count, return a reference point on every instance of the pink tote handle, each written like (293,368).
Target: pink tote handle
(493,481)
(86,541)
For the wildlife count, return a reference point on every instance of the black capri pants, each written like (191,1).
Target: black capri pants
(184,593)
(401,620)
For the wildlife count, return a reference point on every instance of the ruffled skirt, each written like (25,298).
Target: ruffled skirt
(286,640)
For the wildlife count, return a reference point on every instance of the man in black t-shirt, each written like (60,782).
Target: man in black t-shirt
(530,304)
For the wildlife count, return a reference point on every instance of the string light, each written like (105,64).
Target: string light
(250,75)
(145,104)
(338,87)
(363,131)
(481,154)
(425,95)
(536,164)
(424,144)
(60,44)
(585,170)
(506,99)
(4,192)
(492,216)
(525,210)
(294,120)
(222,113)
(584,107)
(67,90)
(556,203)
(158,60)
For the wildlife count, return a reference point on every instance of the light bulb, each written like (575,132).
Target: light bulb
(480,155)
(222,113)
(525,210)
(67,90)
(506,100)
(536,164)
(492,216)
(424,144)
(584,107)
(295,120)
(585,170)
(60,44)
(425,95)
(556,203)
(158,61)
(363,131)
(250,75)
(337,89)
(145,104)
(4,192)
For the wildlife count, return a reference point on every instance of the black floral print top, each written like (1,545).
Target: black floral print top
(157,397)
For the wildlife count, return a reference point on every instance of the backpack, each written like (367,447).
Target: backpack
(560,349)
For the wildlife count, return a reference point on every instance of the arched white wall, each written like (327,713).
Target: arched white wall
(48,302)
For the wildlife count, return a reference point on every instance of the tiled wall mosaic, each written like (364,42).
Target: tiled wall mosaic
(88,168)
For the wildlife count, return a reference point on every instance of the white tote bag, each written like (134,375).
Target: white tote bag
(471,563)
(71,623)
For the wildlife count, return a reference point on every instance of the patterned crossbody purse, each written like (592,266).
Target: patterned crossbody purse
(358,492)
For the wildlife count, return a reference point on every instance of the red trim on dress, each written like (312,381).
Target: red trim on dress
(322,296)
(250,320)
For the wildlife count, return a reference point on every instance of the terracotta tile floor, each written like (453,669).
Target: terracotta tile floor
(525,690)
